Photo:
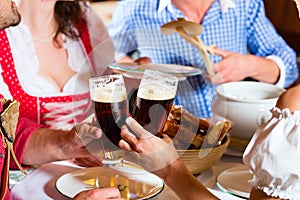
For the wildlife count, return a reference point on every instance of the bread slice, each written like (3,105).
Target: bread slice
(187,130)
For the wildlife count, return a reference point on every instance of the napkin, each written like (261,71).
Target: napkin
(273,155)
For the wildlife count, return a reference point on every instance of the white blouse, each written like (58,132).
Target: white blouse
(273,155)
(27,65)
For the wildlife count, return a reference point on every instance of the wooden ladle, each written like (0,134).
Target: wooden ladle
(190,31)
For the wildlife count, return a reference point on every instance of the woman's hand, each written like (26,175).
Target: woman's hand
(48,145)
(89,135)
(91,161)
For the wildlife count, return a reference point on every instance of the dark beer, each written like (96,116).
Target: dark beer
(111,117)
(152,107)
(108,94)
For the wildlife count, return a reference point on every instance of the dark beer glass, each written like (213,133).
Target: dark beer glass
(108,94)
(154,100)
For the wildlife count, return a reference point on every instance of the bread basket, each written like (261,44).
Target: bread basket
(199,142)
(196,163)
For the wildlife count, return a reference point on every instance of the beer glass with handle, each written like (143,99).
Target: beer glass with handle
(154,100)
(108,94)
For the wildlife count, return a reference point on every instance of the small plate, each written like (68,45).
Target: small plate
(235,181)
(132,182)
(134,70)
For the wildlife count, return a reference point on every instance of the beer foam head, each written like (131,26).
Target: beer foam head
(157,85)
(109,95)
(155,92)
(107,89)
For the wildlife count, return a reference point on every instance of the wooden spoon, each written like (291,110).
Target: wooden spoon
(190,31)
(191,28)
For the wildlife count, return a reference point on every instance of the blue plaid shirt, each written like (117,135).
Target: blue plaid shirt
(244,28)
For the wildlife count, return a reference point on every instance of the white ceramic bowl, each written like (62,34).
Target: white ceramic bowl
(246,104)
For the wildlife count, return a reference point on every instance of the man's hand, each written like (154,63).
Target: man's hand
(147,150)
(143,60)
(237,67)
(232,67)
(139,61)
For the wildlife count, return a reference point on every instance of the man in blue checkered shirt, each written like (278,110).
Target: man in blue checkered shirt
(247,44)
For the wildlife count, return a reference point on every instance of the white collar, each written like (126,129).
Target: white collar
(225,5)
(163,4)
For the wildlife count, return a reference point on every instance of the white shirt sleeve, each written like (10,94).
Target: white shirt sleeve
(282,69)
(273,155)
(4,91)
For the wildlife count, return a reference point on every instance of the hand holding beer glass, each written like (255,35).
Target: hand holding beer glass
(154,100)
(109,97)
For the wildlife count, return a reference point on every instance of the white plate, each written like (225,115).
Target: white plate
(223,195)
(235,181)
(134,70)
(132,182)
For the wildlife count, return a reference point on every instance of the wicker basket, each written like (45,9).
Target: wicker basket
(197,165)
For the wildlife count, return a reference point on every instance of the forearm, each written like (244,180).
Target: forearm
(47,145)
(264,70)
(183,183)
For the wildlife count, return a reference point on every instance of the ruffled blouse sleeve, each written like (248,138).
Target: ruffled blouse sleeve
(273,155)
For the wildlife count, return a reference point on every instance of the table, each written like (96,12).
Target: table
(40,183)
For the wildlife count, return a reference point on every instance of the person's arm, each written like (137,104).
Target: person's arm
(182,182)
(264,41)
(270,60)
(47,145)
(290,99)
(160,157)
(260,195)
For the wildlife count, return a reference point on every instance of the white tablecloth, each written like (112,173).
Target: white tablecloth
(40,183)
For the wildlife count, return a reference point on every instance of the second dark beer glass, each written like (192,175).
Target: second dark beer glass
(154,100)
(108,94)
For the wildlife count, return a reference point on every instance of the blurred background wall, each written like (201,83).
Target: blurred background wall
(284,15)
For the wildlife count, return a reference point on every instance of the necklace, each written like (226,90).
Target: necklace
(46,39)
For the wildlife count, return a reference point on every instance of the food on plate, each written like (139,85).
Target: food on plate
(187,130)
